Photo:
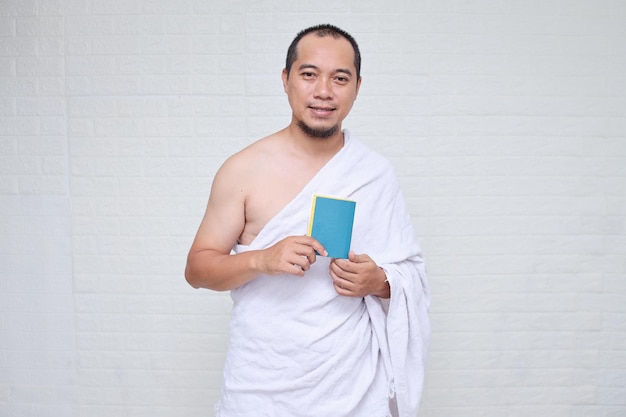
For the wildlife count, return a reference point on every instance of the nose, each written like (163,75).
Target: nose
(323,88)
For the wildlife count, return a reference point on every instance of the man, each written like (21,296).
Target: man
(310,335)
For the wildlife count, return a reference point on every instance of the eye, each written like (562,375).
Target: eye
(308,75)
(340,79)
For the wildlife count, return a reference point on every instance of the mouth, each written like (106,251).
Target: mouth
(322,110)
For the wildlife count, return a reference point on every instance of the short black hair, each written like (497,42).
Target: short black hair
(323,30)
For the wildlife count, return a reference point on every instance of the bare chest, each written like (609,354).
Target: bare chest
(267,196)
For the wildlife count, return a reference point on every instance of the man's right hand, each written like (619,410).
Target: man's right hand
(293,255)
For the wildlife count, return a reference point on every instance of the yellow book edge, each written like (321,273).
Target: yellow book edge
(310,228)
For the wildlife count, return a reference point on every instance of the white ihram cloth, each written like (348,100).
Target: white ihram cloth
(297,348)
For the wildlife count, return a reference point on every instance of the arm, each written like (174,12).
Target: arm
(210,263)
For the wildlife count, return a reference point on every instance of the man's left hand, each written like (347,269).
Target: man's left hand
(358,276)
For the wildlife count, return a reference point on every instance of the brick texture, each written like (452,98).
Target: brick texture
(505,120)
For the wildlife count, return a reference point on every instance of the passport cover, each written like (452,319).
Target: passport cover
(331,224)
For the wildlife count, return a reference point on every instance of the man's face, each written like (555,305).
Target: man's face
(322,84)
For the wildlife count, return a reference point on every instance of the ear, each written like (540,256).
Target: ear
(285,77)
(358,87)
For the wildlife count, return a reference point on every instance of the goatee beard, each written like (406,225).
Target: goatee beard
(317,133)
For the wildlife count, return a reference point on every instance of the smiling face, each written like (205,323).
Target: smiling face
(321,85)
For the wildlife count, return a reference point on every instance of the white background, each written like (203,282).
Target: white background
(506,122)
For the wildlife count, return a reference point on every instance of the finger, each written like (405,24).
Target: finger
(337,270)
(296,270)
(335,274)
(302,261)
(344,288)
(340,285)
(312,245)
(292,269)
(344,267)
(361,258)
(310,254)
(345,281)
(318,247)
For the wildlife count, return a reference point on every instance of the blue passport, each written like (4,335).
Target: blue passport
(331,224)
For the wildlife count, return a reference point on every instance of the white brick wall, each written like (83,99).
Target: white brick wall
(506,121)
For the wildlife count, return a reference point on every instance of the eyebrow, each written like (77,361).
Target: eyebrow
(338,70)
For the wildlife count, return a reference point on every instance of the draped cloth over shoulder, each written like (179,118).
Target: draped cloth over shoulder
(297,348)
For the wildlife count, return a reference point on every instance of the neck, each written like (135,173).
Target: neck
(315,146)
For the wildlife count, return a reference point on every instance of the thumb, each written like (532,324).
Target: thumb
(353,257)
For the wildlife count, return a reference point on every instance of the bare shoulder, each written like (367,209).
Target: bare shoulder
(250,159)
(246,172)
(226,214)
(248,186)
